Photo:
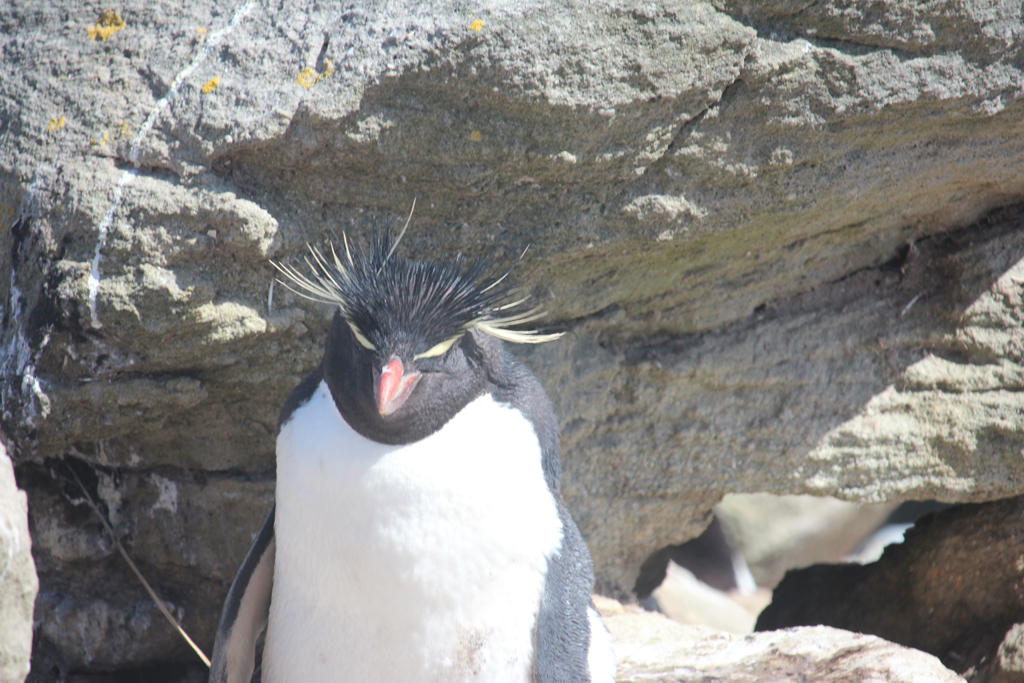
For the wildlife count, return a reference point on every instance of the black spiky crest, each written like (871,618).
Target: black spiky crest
(388,300)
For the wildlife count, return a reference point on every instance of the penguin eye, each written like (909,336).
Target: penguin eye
(361,338)
(437,349)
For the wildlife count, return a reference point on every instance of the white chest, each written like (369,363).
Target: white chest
(422,562)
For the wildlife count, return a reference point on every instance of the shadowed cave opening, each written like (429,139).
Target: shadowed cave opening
(940,578)
(725,577)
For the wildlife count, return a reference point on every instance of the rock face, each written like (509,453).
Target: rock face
(782,239)
(952,588)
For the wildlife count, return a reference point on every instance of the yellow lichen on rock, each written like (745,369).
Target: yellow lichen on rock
(476,25)
(121,130)
(55,124)
(309,76)
(209,86)
(110,22)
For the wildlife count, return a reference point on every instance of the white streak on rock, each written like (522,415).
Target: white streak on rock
(213,41)
(168,499)
(101,240)
(17,354)
(110,494)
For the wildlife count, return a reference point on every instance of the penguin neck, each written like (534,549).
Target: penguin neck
(348,371)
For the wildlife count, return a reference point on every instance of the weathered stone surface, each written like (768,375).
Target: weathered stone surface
(18,581)
(652,649)
(952,588)
(809,395)
(178,526)
(757,225)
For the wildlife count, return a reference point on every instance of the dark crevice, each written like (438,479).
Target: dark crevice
(73,475)
(322,57)
(655,169)
(854,49)
(572,324)
(776,28)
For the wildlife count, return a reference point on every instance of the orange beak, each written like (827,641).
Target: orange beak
(394,387)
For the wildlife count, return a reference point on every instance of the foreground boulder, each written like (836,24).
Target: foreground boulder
(18,581)
(652,649)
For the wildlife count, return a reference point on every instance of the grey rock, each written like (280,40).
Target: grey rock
(18,581)
(771,235)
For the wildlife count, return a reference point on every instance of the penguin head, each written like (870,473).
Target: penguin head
(411,342)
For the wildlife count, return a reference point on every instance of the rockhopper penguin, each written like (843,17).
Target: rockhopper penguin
(418,533)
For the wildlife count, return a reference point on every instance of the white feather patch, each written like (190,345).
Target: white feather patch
(423,562)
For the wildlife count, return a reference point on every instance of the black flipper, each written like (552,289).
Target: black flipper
(563,625)
(245,612)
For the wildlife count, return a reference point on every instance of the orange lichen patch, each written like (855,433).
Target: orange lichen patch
(309,76)
(110,22)
(55,124)
(121,130)
(476,136)
(209,86)
(476,25)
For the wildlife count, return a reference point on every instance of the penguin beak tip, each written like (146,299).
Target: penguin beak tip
(394,386)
